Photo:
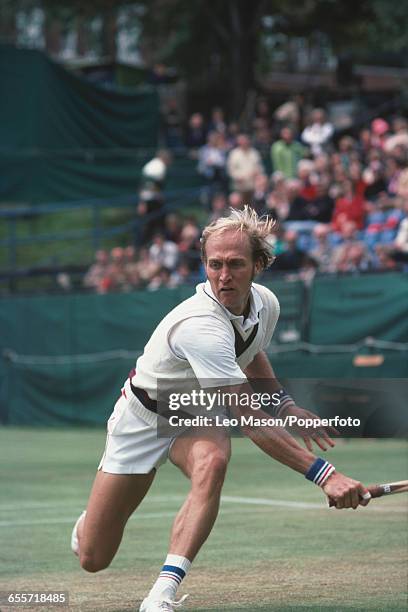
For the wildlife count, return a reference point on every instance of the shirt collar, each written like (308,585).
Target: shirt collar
(256,306)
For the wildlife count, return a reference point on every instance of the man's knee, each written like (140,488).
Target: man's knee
(91,563)
(209,469)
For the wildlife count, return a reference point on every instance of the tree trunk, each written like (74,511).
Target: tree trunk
(82,37)
(8,28)
(109,31)
(52,35)
(243,44)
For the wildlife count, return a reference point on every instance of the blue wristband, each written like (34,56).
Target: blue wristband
(284,400)
(319,471)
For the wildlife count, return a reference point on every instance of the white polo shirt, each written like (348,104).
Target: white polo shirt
(205,342)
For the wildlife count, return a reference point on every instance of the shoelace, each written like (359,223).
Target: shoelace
(167,605)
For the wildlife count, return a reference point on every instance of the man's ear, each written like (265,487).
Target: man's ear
(257,267)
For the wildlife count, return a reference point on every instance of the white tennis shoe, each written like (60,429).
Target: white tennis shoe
(74,535)
(161,605)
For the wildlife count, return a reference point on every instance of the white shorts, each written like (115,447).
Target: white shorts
(132,445)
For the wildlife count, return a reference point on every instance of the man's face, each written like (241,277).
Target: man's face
(230,269)
(286,135)
(243,141)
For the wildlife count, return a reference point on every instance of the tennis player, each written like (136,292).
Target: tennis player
(217,336)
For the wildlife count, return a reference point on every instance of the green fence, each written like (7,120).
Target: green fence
(64,358)
(347,309)
(64,138)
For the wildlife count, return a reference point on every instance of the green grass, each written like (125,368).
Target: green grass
(64,251)
(67,251)
(259,557)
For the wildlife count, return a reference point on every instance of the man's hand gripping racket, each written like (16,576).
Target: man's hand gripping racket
(378,490)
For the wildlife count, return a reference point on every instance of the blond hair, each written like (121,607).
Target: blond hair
(258,230)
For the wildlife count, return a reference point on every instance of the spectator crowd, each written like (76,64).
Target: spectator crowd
(340,200)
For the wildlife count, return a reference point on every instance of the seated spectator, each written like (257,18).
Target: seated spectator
(243,164)
(132,276)
(320,208)
(297,204)
(307,176)
(212,160)
(292,258)
(189,245)
(393,169)
(181,276)
(308,270)
(261,191)
(223,143)
(384,261)
(232,135)
(356,176)
(96,273)
(217,121)
(145,266)
(339,176)
(290,113)
(323,251)
(347,150)
(374,179)
(354,257)
(398,249)
(235,200)
(379,132)
(163,252)
(160,280)
(286,153)
(115,275)
(364,143)
(262,135)
(277,203)
(347,237)
(348,207)
(319,133)
(219,207)
(196,132)
(322,166)
(172,227)
(262,111)
(402,188)
(400,136)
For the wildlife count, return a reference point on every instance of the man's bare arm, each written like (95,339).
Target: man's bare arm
(260,368)
(280,445)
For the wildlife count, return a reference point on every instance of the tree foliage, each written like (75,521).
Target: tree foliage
(218,41)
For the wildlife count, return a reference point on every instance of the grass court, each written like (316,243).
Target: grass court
(275,547)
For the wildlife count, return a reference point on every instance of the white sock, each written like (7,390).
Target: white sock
(74,536)
(174,569)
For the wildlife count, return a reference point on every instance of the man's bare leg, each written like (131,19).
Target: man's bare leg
(114,497)
(203,459)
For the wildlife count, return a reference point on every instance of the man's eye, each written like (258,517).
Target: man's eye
(215,265)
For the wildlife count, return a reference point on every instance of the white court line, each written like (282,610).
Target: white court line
(77,503)
(294,505)
(257,501)
(252,501)
(71,520)
(281,503)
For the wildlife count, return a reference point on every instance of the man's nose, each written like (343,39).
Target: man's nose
(225,273)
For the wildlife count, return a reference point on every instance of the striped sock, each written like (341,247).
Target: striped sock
(174,569)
